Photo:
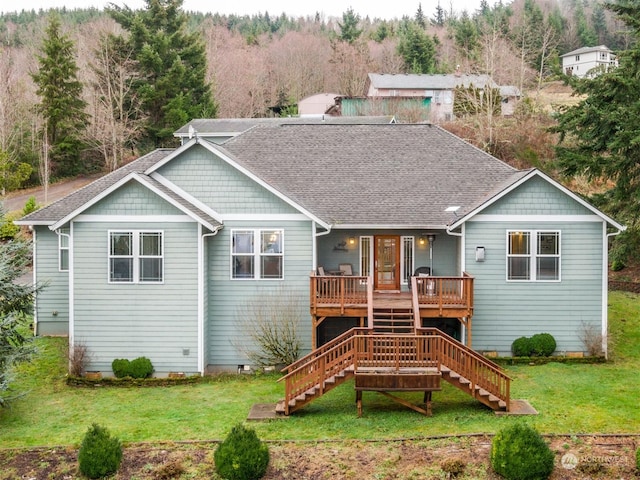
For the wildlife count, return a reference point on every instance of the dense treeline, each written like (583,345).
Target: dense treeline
(135,78)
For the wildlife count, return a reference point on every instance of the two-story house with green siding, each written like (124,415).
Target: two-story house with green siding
(358,221)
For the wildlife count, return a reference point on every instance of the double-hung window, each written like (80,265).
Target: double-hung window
(136,256)
(257,254)
(533,255)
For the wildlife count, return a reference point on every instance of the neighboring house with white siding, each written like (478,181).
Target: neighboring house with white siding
(588,61)
(161,257)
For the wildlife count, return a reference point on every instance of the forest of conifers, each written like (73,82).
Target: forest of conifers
(249,64)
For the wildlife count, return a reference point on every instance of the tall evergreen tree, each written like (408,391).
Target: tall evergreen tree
(438,17)
(349,31)
(171,63)
(420,18)
(61,104)
(417,49)
(600,135)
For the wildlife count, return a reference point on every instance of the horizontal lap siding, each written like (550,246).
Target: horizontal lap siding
(228,297)
(505,310)
(219,185)
(131,320)
(52,303)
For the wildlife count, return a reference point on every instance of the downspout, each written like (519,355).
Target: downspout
(314,245)
(605,289)
(35,278)
(201,261)
(463,266)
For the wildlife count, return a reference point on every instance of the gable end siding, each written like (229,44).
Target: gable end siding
(127,320)
(52,302)
(228,299)
(133,197)
(505,310)
(222,187)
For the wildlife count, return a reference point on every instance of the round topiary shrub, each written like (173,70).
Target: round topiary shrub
(241,456)
(543,344)
(140,367)
(120,367)
(521,347)
(100,454)
(518,452)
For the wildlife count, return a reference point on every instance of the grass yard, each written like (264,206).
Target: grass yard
(571,399)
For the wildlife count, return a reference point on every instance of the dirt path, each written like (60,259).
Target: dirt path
(16,200)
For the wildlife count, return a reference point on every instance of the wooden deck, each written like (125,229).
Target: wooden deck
(353,296)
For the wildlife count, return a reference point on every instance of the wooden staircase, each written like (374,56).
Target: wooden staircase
(393,320)
(362,349)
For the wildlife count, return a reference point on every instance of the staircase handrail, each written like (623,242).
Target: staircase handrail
(498,386)
(322,349)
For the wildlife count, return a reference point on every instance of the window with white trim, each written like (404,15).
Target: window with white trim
(257,254)
(533,255)
(63,250)
(136,256)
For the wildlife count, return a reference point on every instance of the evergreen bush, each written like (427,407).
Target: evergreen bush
(518,452)
(638,459)
(140,367)
(100,453)
(521,347)
(30,206)
(120,367)
(242,455)
(543,344)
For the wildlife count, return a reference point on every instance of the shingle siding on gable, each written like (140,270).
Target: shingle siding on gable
(133,199)
(227,298)
(131,320)
(217,184)
(536,197)
(54,296)
(506,310)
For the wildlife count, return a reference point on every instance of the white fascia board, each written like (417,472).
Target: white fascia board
(227,158)
(537,218)
(535,172)
(187,196)
(380,226)
(37,222)
(105,193)
(179,206)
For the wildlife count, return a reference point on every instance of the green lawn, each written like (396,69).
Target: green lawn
(598,398)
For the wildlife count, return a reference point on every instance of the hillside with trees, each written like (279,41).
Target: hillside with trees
(88,90)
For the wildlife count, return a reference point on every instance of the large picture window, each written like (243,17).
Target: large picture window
(533,255)
(136,257)
(257,254)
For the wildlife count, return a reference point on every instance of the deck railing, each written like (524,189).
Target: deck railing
(338,290)
(444,292)
(359,349)
(439,293)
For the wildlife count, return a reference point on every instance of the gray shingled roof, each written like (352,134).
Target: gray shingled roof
(599,48)
(219,126)
(368,175)
(429,82)
(393,175)
(69,204)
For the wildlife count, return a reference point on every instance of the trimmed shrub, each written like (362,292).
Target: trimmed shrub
(638,459)
(453,467)
(241,456)
(521,347)
(140,367)
(543,344)
(100,453)
(518,452)
(120,367)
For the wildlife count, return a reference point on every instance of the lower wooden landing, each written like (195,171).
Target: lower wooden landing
(383,382)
